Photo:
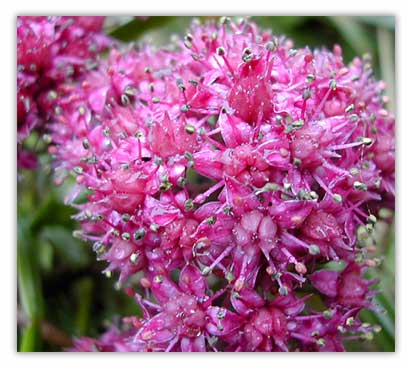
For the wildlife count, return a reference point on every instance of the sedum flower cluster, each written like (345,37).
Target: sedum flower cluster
(50,50)
(225,175)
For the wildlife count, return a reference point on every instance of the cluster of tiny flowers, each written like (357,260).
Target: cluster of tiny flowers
(50,51)
(224,174)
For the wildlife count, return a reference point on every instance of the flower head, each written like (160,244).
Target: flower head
(239,166)
(50,51)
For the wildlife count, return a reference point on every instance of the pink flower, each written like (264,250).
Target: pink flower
(50,51)
(226,173)
(186,318)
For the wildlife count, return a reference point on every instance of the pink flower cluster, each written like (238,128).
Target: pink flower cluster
(224,175)
(50,51)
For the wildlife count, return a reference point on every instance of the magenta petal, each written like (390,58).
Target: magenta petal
(97,99)
(160,213)
(246,301)
(234,131)
(196,344)
(158,329)
(240,196)
(164,289)
(263,321)
(326,282)
(208,163)
(191,281)
(290,304)
(267,229)
(221,321)
(253,337)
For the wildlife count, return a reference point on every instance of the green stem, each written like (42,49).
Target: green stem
(30,292)
(84,299)
(386,56)
(353,32)
(135,28)
(31,337)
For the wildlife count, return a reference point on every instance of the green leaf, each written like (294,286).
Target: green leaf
(29,286)
(84,289)
(380,21)
(353,32)
(45,256)
(281,23)
(29,282)
(31,339)
(385,39)
(385,339)
(71,251)
(135,28)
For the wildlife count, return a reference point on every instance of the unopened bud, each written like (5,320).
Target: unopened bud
(78,170)
(349,108)
(181,181)
(297,124)
(297,161)
(188,44)
(337,198)
(125,217)
(139,234)
(189,204)
(221,314)
(225,20)
(229,277)
(133,257)
(154,227)
(341,329)
(126,236)
(368,336)
(321,342)
(350,321)
(307,94)
(158,279)
(366,141)
(300,268)
(86,143)
(292,52)
(190,129)
(377,328)
(283,290)
(269,187)
(372,219)
(327,314)
(98,247)
(310,78)
(220,51)
(180,84)
(210,220)
(314,250)
(385,213)
(185,108)
(270,46)
(125,100)
(360,186)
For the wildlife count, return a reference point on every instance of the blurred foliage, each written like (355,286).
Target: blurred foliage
(62,291)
